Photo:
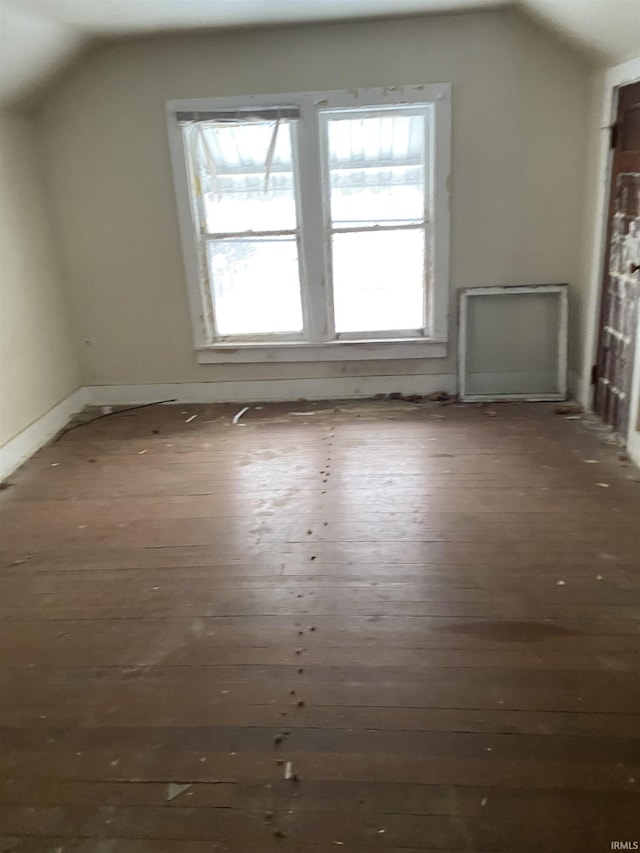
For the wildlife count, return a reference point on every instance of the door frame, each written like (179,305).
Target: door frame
(606,94)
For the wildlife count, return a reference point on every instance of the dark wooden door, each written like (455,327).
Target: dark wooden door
(621,285)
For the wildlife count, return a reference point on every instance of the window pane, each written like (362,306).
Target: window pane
(246,179)
(378,280)
(376,169)
(255,284)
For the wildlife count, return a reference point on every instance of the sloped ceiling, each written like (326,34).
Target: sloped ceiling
(39,37)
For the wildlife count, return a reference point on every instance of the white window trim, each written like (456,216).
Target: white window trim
(433,344)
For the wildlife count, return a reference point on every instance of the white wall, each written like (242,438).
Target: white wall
(601,115)
(38,366)
(32,48)
(520,101)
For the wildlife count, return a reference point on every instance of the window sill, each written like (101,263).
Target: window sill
(333,351)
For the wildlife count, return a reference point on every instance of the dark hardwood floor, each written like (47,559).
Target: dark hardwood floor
(425,616)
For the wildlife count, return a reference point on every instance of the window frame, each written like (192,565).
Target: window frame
(314,242)
(331,229)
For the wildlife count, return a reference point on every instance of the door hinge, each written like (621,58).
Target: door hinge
(613,136)
(594,374)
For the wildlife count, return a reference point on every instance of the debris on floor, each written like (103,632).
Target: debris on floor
(192,418)
(174,789)
(107,412)
(239,414)
(568,409)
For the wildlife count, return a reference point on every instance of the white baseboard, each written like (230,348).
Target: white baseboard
(272,390)
(18,449)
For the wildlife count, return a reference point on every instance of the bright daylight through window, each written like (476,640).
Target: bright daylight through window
(378,209)
(315,220)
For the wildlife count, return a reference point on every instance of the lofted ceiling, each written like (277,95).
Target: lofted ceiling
(39,37)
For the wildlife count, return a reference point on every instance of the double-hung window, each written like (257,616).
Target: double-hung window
(315,225)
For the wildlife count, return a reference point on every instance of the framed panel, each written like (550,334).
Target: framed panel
(512,343)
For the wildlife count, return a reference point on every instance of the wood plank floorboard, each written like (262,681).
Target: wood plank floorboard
(426,617)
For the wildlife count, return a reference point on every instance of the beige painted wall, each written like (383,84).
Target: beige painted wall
(520,103)
(38,366)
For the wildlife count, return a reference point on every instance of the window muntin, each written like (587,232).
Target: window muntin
(244,190)
(376,190)
(376,163)
(246,168)
(255,283)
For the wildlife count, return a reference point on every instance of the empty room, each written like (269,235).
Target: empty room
(319,426)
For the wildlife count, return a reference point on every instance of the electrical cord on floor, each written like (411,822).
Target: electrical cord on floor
(111,414)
